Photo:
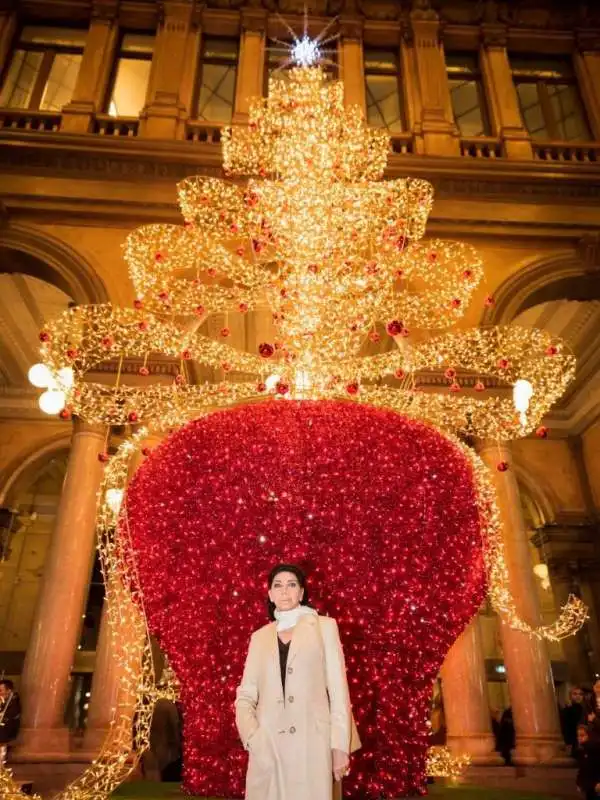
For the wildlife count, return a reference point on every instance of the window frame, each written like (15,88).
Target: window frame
(470,76)
(49,52)
(397,73)
(214,60)
(119,54)
(542,78)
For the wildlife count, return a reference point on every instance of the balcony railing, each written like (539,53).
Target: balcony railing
(567,152)
(201,132)
(401,144)
(38,121)
(481,147)
(105,125)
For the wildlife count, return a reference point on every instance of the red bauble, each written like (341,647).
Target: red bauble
(142,325)
(44,336)
(186,355)
(226,366)
(200,311)
(138,303)
(374,336)
(542,432)
(225,332)
(146,451)
(551,350)
(144,371)
(107,341)
(179,380)
(502,466)
(233,228)
(400,374)
(467,274)
(211,272)
(261,386)
(450,373)
(352,388)
(65,413)
(72,353)
(455,303)
(240,251)
(266,350)
(251,199)
(132,416)
(432,256)
(399,273)
(243,308)
(103,457)
(489,301)
(282,388)
(503,363)
(395,327)
(455,387)
(159,257)
(479,387)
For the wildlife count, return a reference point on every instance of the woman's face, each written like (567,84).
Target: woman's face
(285,591)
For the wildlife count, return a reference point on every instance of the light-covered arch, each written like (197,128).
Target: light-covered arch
(562,275)
(32,252)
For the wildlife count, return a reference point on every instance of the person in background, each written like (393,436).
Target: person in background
(571,716)
(592,712)
(10,717)
(506,736)
(588,760)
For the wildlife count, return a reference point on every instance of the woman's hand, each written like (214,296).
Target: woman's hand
(341,764)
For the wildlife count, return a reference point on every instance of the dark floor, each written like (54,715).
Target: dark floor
(167,791)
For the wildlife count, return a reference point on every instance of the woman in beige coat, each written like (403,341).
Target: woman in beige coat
(293,707)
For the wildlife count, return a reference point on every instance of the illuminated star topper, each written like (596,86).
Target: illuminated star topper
(305,52)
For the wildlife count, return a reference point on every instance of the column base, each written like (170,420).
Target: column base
(43,744)
(479,747)
(533,750)
(93,741)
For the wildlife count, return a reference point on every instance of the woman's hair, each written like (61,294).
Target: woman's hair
(301,577)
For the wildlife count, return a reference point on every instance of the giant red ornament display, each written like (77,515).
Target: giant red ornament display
(381,511)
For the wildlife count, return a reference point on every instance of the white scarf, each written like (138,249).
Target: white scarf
(287,619)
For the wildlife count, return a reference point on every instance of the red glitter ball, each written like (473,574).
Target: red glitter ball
(44,336)
(138,303)
(320,479)
(225,332)
(164,296)
(243,308)
(266,350)
(282,388)
(211,272)
(455,302)
(179,380)
(261,387)
(489,301)
(432,256)
(65,413)
(251,199)
(455,387)
(479,387)
(450,373)
(186,355)
(146,451)
(107,341)
(551,350)
(352,388)
(132,416)
(226,366)
(240,251)
(374,336)
(200,311)
(72,353)
(542,432)
(467,274)
(233,228)
(395,327)
(400,373)
(502,466)
(103,457)
(144,371)
(502,363)
(158,257)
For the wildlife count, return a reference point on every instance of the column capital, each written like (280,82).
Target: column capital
(422,11)
(588,249)
(105,10)
(81,426)
(175,15)
(588,41)
(254,19)
(494,35)
(352,27)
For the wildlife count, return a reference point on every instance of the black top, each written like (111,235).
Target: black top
(10,715)
(284,649)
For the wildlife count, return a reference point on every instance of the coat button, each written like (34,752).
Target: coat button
(290,670)
(290,699)
(292,729)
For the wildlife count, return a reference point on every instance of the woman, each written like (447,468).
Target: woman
(293,707)
(593,712)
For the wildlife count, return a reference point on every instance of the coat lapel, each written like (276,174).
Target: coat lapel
(303,628)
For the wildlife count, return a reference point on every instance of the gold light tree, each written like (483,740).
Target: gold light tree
(302,224)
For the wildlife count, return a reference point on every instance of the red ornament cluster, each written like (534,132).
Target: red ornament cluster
(380,511)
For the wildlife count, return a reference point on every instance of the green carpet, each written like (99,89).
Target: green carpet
(168,791)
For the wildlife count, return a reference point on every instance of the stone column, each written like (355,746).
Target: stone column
(8,25)
(528,670)
(94,71)
(410,93)
(251,66)
(466,706)
(505,114)
(439,133)
(165,112)
(562,580)
(57,621)
(587,68)
(352,68)
(110,698)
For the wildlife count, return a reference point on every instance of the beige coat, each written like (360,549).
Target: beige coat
(290,739)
